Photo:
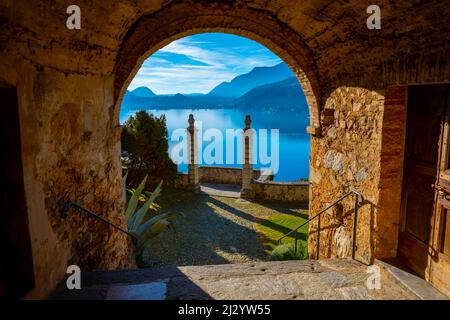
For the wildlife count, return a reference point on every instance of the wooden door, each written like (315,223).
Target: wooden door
(439,261)
(425,151)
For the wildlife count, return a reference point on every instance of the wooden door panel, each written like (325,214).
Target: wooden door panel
(420,211)
(440,273)
(440,257)
(425,116)
(445,234)
(439,262)
(408,248)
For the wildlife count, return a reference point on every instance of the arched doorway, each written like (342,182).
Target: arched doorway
(151,33)
(289,121)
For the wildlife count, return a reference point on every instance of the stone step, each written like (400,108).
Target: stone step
(412,282)
(309,279)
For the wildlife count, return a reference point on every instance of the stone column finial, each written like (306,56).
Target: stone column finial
(248,122)
(191,121)
(247,168)
(193,171)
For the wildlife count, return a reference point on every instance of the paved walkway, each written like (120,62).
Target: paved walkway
(214,230)
(221,190)
(289,280)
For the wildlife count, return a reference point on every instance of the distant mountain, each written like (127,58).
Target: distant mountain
(130,99)
(184,94)
(264,87)
(177,101)
(285,94)
(246,82)
(144,92)
(193,94)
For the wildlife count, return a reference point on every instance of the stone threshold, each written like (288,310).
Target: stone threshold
(418,286)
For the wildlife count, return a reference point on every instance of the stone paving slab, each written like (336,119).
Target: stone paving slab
(340,279)
(144,291)
(221,190)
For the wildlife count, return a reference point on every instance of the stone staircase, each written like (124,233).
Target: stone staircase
(289,280)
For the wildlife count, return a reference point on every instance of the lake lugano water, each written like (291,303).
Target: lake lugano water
(293,139)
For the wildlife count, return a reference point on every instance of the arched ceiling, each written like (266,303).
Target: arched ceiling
(334,32)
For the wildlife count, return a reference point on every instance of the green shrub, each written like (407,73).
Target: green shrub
(287,252)
(145,149)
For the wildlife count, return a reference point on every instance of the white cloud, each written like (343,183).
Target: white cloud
(223,63)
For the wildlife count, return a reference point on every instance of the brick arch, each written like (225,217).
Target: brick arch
(154,31)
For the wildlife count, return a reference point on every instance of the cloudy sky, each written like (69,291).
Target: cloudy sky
(198,63)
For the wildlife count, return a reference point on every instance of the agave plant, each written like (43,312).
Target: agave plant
(145,221)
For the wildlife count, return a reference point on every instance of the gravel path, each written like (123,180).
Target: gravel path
(213,230)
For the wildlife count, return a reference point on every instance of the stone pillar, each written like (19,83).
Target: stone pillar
(247,168)
(193,173)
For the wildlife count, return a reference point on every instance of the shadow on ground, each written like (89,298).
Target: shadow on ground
(216,230)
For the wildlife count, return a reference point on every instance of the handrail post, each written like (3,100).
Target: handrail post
(295,243)
(355,221)
(359,199)
(318,238)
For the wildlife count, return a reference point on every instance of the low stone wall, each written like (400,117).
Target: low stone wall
(182,180)
(281,191)
(224,175)
(262,187)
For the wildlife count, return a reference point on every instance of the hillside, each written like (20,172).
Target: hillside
(144,92)
(246,82)
(285,94)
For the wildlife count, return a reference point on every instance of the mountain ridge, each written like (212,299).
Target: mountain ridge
(144,92)
(258,76)
(284,93)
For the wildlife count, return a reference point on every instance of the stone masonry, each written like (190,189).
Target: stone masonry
(193,173)
(70,84)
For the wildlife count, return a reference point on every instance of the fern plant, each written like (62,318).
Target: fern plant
(145,221)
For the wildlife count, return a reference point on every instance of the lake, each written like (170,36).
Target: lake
(293,162)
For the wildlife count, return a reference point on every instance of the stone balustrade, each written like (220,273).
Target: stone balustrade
(224,175)
(255,184)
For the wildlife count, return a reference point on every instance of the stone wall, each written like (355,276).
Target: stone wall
(70,150)
(391,174)
(181,181)
(347,156)
(280,191)
(225,175)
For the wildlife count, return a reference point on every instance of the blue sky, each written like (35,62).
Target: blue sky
(198,63)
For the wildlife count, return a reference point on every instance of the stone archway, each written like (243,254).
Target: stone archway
(152,32)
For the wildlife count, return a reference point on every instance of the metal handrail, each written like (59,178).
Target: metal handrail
(67,204)
(318,215)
